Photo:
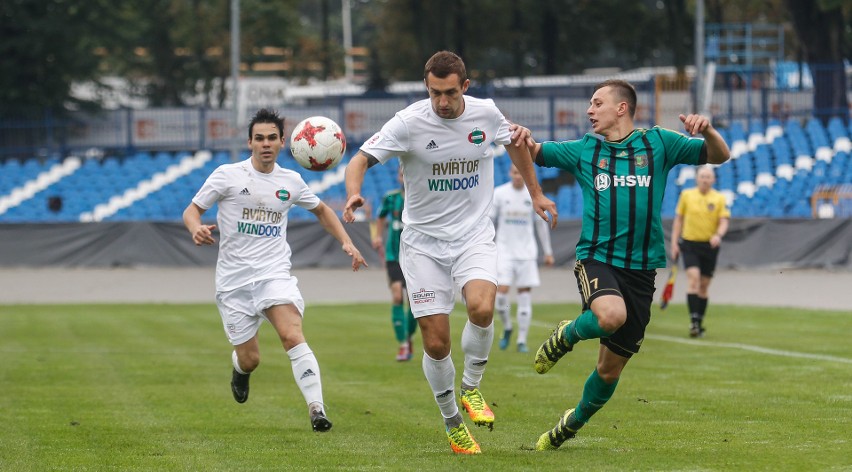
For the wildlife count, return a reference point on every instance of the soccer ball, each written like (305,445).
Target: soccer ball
(317,143)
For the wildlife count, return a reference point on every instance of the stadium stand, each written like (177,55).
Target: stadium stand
(778,170)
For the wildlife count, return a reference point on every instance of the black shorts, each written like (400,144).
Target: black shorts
(394,272)
(636,287)
(701,255)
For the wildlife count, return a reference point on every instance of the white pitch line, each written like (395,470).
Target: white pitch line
(745,347)
(748,347)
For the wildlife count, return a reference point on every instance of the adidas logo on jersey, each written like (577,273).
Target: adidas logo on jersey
(245,191)
(307,373)
(432,145)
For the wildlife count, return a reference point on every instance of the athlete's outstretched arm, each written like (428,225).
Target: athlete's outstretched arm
(201,233)
(329,221)
(355,171)
(541,204)
(717,149)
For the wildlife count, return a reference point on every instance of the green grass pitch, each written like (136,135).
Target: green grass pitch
(146,387)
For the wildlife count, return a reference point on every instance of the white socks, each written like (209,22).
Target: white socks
(441,374)
(476,344)
(524,316)
(503,308)
(306,372)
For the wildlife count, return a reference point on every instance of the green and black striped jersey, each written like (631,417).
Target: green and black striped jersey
(391,210)
(623,185)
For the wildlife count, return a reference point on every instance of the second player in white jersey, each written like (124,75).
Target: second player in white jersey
(252,220)
(253,282)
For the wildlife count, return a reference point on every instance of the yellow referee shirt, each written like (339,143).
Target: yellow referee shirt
(701,213)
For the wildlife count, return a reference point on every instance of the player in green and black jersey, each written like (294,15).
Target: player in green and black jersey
(390,218)
(623,178)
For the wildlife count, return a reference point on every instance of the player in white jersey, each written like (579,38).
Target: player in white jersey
(444,145)
(253,281)
(517,254)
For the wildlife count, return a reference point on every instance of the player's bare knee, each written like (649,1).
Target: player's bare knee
(292,339)
(611,317)
(249,362)
(436,348)
(481,315)
(609,374)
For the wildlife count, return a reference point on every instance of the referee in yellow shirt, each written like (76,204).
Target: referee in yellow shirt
(701,221)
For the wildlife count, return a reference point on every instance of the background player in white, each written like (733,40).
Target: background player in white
(517,254)
(253,280)
(444,147)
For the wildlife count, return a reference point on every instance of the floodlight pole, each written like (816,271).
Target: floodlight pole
(235,78)
(699,57)
(347,40)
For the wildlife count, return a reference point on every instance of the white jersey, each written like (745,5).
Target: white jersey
(517,221)
(448,165)
(252,220)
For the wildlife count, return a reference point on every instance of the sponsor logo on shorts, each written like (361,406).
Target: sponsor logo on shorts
(232,328)
(423,296)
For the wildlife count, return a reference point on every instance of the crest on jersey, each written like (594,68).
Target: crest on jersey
(282,195)
(642,161)
(476,137)
(603,163)
(711,207)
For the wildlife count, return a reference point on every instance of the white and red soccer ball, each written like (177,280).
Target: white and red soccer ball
(317,143)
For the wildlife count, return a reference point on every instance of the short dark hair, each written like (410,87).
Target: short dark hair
(265,115)
(444,63)
(623,90)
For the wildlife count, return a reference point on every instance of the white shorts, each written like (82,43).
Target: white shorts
(434,269)
(517,272)
(242,309)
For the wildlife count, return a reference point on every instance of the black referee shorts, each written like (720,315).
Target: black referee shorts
(636,287)
(699,254)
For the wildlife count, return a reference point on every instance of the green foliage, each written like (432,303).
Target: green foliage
(46,46)
(177,52)
(518,37)
(145,387)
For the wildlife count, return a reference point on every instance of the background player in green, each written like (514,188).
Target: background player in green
(623,178)
(390,218)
